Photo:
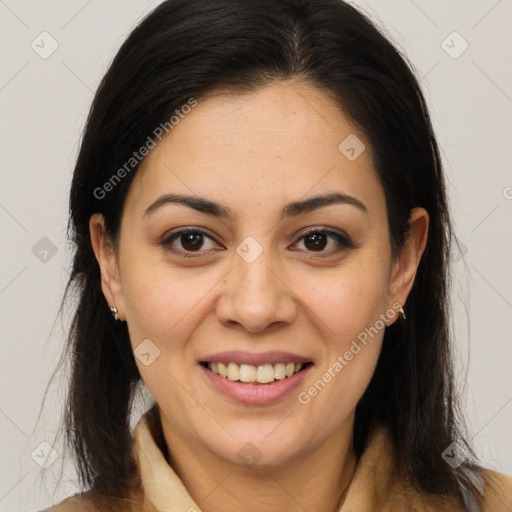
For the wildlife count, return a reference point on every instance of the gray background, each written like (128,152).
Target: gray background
(44,103)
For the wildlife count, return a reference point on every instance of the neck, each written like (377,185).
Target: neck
(316,480)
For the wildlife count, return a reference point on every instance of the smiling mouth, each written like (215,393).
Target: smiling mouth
(250,374)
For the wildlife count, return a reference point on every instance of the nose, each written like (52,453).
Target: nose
(256,297)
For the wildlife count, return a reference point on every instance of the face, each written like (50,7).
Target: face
(262,277)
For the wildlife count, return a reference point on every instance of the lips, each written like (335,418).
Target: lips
(253,393)
(256,379)
(261,368)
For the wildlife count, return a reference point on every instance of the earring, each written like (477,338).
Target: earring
(113,309)
(402,313)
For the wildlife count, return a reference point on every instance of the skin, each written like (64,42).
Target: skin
(254,153)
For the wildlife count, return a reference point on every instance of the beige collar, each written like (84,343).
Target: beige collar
(373,486)
(163,489)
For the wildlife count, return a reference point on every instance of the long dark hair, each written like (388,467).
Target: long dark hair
(185,48)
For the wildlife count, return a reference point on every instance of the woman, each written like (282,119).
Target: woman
(262,239)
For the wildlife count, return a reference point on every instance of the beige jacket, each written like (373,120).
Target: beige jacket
(373,489)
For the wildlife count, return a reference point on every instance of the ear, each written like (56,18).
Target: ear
(406,263)
(107,260)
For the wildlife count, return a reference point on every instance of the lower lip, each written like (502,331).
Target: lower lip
(256,394)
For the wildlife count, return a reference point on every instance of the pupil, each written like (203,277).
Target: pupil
(318,240)
(192,241)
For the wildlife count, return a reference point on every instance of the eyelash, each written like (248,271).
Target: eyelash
(342,240)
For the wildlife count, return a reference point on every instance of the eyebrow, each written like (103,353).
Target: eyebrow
(292,209)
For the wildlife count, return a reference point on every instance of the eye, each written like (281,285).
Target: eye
(187,241)
(191,240)
(316,240)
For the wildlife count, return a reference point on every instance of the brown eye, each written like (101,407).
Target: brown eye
(191,241)
(317,240)
(188,241)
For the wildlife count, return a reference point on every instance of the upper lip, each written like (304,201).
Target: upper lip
(239,357)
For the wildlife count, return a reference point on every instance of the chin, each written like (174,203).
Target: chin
(258,445)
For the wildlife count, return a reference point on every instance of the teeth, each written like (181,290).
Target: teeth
(233,371)
(263,374)
(222,369)
(247,373)
(279,371)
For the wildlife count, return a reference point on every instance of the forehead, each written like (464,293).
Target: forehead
(281,142)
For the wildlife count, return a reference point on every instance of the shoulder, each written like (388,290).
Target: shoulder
(92,502)
(78,503)
(496,492)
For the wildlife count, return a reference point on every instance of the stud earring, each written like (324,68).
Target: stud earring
(402,313)
(113,310)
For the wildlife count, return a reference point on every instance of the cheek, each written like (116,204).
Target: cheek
(162,307)
(352,343)
(334,395)
(349,304)
(159,300)
(347,299)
